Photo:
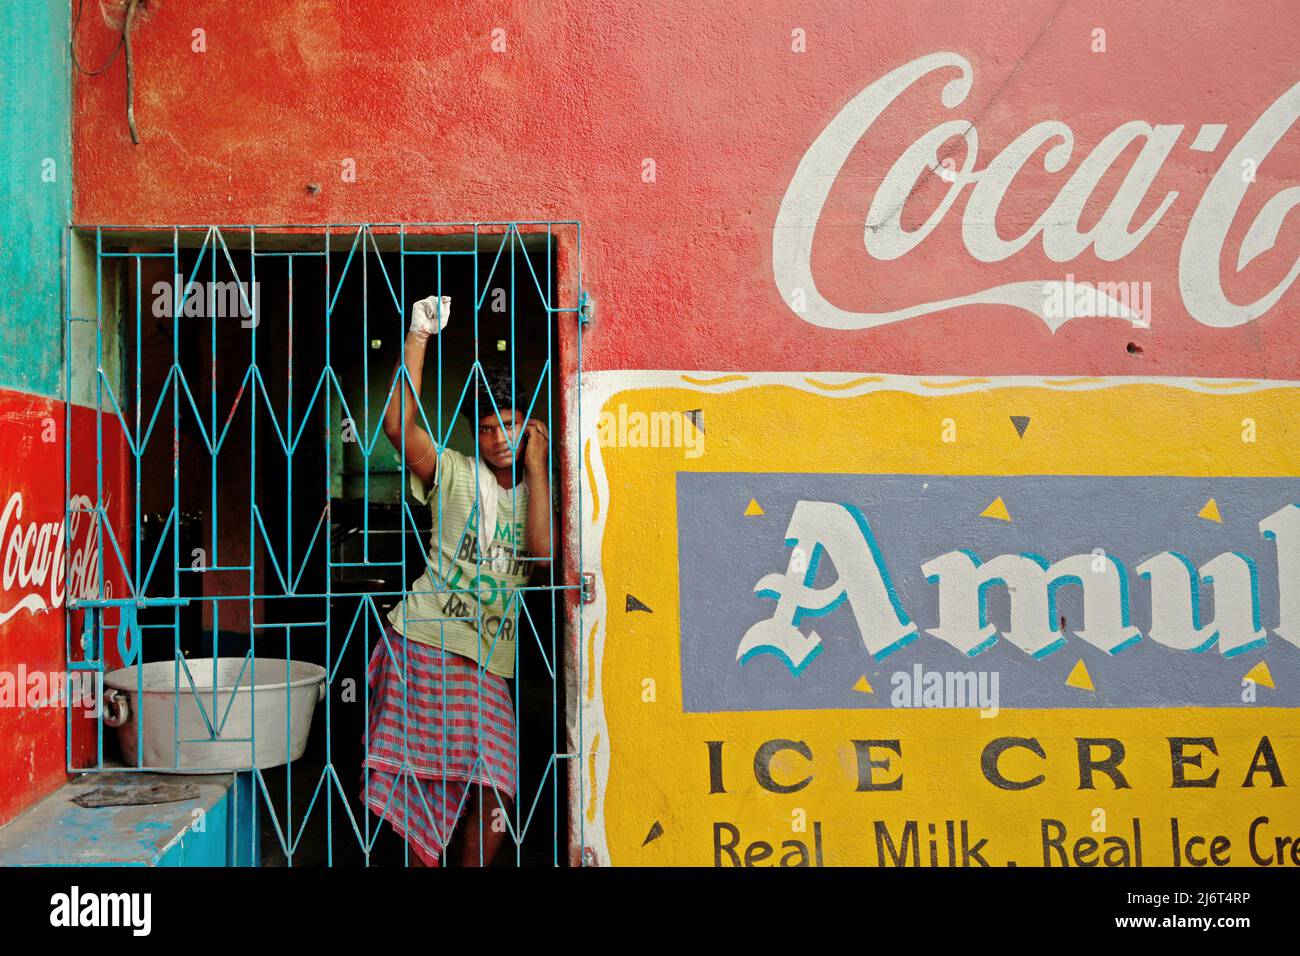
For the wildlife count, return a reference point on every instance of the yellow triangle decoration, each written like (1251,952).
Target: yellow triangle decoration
(997,509)
(1261,675)
(864,687)
(1210,512)
(1080,678)
(753,508)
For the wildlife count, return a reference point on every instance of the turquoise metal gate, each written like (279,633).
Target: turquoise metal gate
(248,561)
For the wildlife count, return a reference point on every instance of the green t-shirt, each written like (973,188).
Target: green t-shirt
(455,585)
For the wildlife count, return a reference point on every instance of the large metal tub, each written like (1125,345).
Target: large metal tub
(141,702)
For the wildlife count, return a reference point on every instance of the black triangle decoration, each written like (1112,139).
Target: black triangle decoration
(655,833)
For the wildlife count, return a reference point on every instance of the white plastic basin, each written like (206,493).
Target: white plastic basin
(142,703)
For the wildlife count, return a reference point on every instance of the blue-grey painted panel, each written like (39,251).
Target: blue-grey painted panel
(915,518)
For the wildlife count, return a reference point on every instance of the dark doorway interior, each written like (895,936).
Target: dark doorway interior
(345,321)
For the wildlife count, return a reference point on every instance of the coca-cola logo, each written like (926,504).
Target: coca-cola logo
(35,565)
(1113,236)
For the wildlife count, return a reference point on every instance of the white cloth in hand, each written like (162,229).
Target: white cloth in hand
(429,316)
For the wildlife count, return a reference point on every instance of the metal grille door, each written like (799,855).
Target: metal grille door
(256,523)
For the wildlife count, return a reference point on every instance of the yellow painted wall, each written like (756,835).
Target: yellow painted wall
(646,776)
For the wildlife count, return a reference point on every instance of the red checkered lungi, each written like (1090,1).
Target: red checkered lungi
(458,725)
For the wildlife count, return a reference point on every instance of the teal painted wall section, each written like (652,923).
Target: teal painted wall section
(35,195)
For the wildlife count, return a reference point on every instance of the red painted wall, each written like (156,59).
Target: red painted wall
(33,738)
(558,126)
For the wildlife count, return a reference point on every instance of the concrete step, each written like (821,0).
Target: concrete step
(216,829)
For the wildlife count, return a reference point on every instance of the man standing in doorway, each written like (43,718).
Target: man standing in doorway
(452,637)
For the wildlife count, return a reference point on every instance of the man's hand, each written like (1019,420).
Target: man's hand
(429,316)
(538,533)
(537,442)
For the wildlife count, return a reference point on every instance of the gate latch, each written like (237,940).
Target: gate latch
(588,591)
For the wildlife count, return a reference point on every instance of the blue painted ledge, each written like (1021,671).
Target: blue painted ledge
(57,832)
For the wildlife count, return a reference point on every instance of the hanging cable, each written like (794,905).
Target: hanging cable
(72,46)
(123,41)
(130,72)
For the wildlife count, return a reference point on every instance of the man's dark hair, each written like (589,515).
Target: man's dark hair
(498,383)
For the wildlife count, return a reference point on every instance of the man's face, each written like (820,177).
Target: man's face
(493,441)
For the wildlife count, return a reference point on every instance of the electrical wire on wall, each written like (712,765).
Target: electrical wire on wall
(123,42)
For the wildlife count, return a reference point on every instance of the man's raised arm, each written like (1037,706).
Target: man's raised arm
(402,416)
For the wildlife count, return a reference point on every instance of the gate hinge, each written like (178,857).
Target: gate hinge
(588,587)
(586,308)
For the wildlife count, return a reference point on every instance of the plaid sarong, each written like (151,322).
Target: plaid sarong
(451,724)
